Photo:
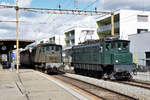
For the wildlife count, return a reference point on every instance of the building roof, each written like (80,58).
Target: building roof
(143,33)
(20,40)
(121,11)
(77,27)
(9,44)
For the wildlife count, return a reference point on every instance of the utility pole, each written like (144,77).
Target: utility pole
(112,23)
(17,37)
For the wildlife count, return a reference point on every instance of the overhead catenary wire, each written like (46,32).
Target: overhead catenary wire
(84,9)
(58,11)
(55,11)
(90,4)
(69,4)
(78,12)
(53,20)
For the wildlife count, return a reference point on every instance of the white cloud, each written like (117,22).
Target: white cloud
(39,26)
(24,3)
(86,0)
(127,4)
(21,3)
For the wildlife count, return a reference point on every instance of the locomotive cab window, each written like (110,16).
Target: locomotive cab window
(107,46)
(43,49)
(57,48)
(52,47)
(119,45)
(112,45)
(125,45)
(47,48)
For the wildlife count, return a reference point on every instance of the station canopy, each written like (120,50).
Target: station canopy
(7,45)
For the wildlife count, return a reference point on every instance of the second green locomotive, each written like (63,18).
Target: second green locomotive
(46,56)
(108,58)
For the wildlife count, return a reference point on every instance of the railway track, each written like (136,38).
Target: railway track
(143,82)
(100,92)
(135,83)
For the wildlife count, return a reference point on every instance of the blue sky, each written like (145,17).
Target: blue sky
(65,4)
(52,3)
(100,4)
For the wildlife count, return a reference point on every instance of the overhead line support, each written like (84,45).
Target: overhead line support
(17,36)
(58,11)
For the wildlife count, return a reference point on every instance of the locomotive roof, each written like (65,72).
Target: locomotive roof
(117,41)
(87,45)
(47,44)
(92,44)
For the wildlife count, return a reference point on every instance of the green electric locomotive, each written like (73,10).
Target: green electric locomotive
(106,58)
(47,57)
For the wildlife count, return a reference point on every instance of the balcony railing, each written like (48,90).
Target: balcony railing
(70,37)
(108,27)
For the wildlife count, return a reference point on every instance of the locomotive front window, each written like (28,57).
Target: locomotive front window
(119,44)
(52,47)
(112,45)
(107,46)
(125,45)
(47,48)
(57,48)
(43,49)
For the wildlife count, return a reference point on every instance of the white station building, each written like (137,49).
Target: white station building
(76,35)
(55,38)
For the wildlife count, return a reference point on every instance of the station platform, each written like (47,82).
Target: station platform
(34,85)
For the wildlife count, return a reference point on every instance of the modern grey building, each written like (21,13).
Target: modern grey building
(140,47)
(126,22)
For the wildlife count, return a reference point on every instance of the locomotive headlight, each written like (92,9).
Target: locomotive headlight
(116,61)
(119,48)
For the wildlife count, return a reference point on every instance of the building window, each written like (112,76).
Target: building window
(72,42)
(141,30)
(147,54)
(142,18)
(147,59)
